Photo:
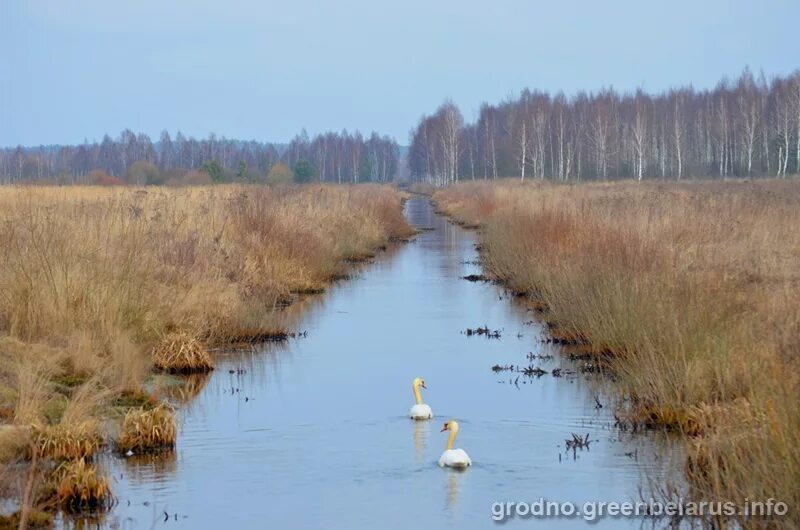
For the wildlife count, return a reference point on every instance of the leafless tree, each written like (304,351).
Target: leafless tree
(750,127)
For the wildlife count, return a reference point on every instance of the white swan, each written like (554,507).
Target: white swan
(456,458)
(420,411)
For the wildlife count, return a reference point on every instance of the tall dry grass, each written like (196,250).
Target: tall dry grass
(98,286)
(130,265)
(105,274)
(691,290)
(148,429)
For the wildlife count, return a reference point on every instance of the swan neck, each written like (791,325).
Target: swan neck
(417,395)
(451,440)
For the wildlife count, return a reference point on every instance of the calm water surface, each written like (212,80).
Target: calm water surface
(313,434)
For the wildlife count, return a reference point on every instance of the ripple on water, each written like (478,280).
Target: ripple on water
(316,435)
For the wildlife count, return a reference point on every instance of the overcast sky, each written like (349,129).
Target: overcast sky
(264,70)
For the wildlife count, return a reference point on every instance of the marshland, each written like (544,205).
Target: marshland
(635,357)
(687,293)
(106,288)
(363,265)
(319,425)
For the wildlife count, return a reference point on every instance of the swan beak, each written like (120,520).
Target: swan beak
(423,386)
(446,427)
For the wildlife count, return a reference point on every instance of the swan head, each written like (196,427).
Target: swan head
(451,425)
(419,383)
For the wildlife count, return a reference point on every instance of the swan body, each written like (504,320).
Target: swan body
(420,411)
(455,458)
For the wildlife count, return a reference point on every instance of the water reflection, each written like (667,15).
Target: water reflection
(313,434)
(150,468)
(181,389)
(453,477)
(421,430)
(83,522)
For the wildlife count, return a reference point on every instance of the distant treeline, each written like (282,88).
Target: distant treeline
(135,159)
(748,127)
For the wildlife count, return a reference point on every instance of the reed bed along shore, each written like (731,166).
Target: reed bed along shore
(99,287)
(688,291)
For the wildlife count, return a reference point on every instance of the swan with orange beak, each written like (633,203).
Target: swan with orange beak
(455,458)
(420,411)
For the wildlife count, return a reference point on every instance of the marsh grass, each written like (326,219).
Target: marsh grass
(69,441)
(109,273)
(690,289)
(99,286)
(145,430)
(81,487)
(181,353)
(78,434)
(111,282)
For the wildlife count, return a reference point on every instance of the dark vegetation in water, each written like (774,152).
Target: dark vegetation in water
(258,336)
(534,371)
(476,278)
(531,371)
(578,442)
(482,331)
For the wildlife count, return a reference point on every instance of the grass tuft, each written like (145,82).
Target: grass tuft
(181,353)
(145,430)
(81,487)
(69,441)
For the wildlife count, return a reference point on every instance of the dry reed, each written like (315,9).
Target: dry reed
(81,487)
(110,282)
(77,434)
(148,429)
(100,285)
(69,441)
(692,288)
(181,353)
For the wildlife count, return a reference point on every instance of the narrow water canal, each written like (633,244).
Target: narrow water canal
(314,434)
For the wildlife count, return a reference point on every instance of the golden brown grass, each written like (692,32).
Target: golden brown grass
(81,487)
(77,434)
(98,286)
(148,429)
(692,287)
(181,353)
(100,269)
(69,441)
(102,278)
